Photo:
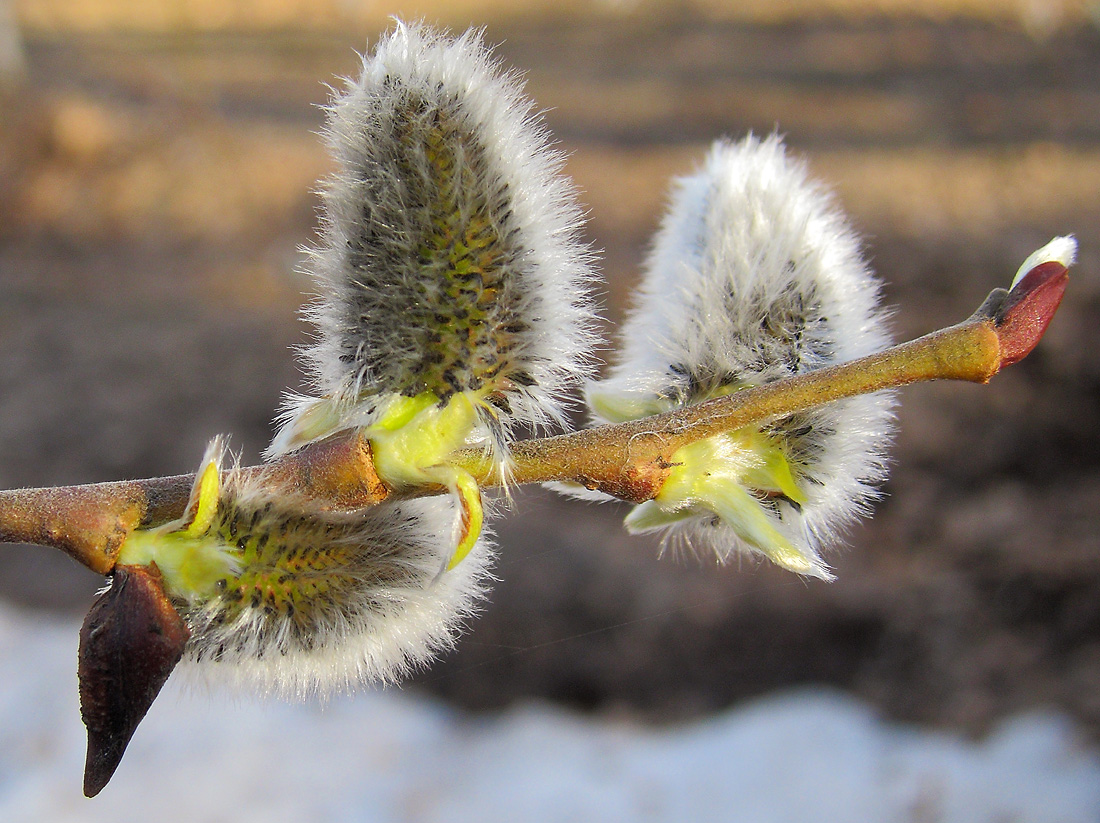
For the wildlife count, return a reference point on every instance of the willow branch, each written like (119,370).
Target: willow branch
(628,460)
(91,522)
(631,460)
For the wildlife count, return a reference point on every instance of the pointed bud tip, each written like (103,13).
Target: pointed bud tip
(1036,294)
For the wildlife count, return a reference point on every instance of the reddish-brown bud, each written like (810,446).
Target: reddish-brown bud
(1026,312)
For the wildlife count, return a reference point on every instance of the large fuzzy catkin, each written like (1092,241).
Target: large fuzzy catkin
(279,595)
(450,260)
(754,276)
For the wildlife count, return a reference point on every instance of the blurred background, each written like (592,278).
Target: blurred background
(157,166)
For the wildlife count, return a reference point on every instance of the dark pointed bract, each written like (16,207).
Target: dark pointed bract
(131,640)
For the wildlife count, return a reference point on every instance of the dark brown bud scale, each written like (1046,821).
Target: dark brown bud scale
(131,640)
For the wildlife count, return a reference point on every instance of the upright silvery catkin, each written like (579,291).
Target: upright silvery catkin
(754,276)
(453,283)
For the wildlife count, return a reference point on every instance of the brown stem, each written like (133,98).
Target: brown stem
(629,460)
(90,522)
(87,522)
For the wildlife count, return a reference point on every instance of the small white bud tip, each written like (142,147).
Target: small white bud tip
(1059,250)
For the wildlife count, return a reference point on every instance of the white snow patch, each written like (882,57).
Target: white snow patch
(808,755)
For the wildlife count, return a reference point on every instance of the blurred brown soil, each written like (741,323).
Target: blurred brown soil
(154,191)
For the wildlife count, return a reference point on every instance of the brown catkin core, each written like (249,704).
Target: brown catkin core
(454,320)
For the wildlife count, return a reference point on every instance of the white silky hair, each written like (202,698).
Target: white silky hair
(755,275)
(363,597)
(369,266)
(1059,250)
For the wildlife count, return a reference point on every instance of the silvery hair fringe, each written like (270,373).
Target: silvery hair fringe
(754,276)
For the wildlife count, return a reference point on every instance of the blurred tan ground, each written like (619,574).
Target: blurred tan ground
(211,15)
(156,167)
